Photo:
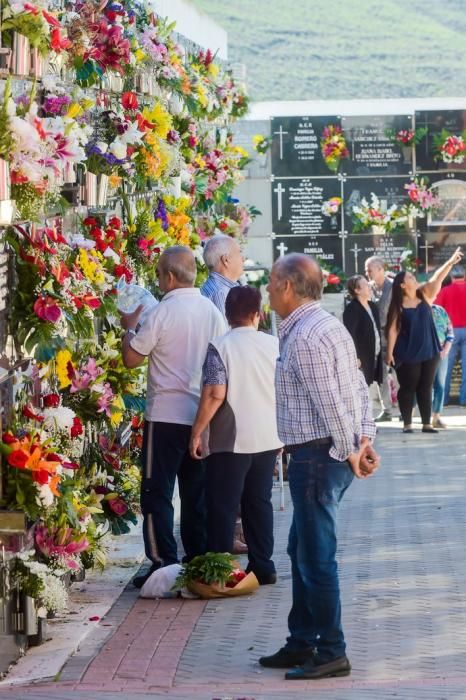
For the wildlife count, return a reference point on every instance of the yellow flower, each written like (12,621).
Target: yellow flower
(61,367)
(116,418)
(213,70)
(159,118)
(140,55)
(202,96)
(114,180)
(74,110)
(257,139)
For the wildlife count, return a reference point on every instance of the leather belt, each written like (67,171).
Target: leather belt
(318,442)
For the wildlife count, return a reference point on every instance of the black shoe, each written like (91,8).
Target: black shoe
(286,658)
(266,580)
(429,429)
(408,430)
(313,670)
(139,581)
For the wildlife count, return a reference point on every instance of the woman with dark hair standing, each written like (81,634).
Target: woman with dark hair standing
(238,405)
(412,342)
(361,318)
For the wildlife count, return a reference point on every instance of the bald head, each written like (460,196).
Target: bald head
(303,273)
(178,260)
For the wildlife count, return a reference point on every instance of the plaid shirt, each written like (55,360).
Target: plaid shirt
(320,391)
(216,288)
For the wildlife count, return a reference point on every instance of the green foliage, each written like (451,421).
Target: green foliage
(353,49)
(213,567)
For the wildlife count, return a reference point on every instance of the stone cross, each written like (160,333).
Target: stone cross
(426,247)
(281,133)
(280,191)
(282,248)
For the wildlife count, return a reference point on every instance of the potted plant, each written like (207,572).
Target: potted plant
(216,575)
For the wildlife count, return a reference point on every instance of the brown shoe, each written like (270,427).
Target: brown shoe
(313,670)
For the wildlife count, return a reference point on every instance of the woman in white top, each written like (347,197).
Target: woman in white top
(238,403)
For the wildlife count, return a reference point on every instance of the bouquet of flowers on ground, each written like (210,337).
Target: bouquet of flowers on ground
(216,575)
(39,581)
(375,214)
(450,148)
(333,147)
(422,200)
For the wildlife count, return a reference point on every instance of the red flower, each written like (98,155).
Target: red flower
(18,458)
(123,271)
(8,438)
(51,400)
(333,279)
(46,309)
(129,100)
(50,19)
(40,476)
(115,222)
(77,428)
(29,413)
(90,221)
(58,42)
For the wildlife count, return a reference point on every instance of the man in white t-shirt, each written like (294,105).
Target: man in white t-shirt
(174,337)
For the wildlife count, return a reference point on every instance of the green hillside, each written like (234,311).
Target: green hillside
(346,49)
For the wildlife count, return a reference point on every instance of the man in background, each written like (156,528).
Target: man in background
(224,260)
(453,300)
(382,295)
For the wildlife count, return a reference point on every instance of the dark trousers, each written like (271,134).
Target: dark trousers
(416,381)
(165,457)
(246,479)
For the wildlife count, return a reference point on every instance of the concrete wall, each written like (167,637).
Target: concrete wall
(195,25)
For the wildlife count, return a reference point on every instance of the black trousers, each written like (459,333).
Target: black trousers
(165,457)
(246,479)
(416,381)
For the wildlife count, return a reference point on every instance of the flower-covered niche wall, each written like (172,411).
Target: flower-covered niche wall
(114,144)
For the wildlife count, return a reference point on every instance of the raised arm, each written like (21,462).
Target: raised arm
(433,286)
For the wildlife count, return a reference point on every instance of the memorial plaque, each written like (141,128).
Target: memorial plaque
(450,214)
(372,151)
(360,246)
(297,206)
(296,146)
(453,121)
(328,249)
(435,248)
(389,190)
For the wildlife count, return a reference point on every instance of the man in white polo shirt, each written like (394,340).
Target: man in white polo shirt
(175,337)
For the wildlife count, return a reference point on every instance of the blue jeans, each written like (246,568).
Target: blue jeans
(317,484)
(458,348)
(439,386)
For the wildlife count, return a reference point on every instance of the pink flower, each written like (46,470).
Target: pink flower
(118,506)
(61,542)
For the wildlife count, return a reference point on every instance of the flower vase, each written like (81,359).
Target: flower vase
(31,624)
(407,154)
(116,83)
(7,205)
(21,55)
(102,190)
(37,64)
(5,60)
(378,230)
(90,190)
(69,174)
(142,82)
(333,222)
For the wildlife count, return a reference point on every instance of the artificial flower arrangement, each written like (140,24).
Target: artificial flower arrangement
(215,575)
(422,200)
(261,144)
(374,214)
(406,137)
(332,206)
(450,148)
(34,20)
(333,147)
(407,261)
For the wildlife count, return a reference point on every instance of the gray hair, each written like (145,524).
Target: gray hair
(215,248)
(180,261)
(457,272)
(304,274)
(375,260)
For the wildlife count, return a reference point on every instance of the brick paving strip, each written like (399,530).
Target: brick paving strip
(403,577)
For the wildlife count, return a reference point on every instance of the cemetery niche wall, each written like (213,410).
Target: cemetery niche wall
(344,188)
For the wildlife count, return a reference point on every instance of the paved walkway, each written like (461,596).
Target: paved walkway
(403,575)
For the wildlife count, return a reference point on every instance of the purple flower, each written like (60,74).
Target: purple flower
(161,213)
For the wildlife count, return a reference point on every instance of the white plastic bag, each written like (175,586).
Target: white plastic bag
(161,582)
(130,296)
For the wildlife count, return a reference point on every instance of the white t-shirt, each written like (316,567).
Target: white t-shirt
(175,336)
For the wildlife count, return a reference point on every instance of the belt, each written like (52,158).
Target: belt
(319,442)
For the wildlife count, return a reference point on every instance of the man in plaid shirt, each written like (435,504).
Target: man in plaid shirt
(323,416)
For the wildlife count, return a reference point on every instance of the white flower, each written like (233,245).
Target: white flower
(45,496)
(118,149)
(110,253)
(132,135)
(60,418)
(77,240)
(102,146)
